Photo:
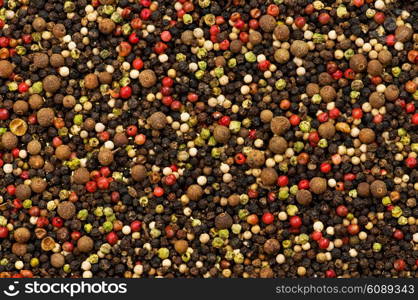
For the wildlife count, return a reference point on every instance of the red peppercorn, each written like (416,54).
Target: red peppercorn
(167,100)
(34,211)
(160,47)
(176,105)
(324,18)
(353,229)
(300,22)
(377,119)
(24,175)
(115,196)
(219,20)
(379,17)
(358,3)
(91,186)
(125,92)
(342,210)
(239,24)
(11,190)
(192,97)
(322,117)
(42,222)
(267,218)
(263,65)
(169,232)
(252,134)
(124,49)
(283,180)
(32,119)
(4,42)
(133,38)
(68,247)
(131,130)
(136,226)
(23,87)
(330,274)
(252,193)
(225,121)
(325,168)
(357,113)
(334,113)
(303,184)
(316,235)
(170,179)
(252,219)
(112,238)
(224,45)
(349,74)
(273,10)
(414,119)
(323,243)
(104,136)
(271,197)
(4,232)
(214,30)
(390,40)
(15,152)
(244,37)
(145,14)
(75,235)
(398,234)
(295,221)
(399,265)
(165,36)
(349,177)
(337,74)
(138,64)
(410,107)
(166,90)
(240,158)
(376,80)
(4,114)
(294,120)
(57,222)
(411,162)
(158,191)
(313,138)
(145,3)
(105,171)
(253,23)
(167,81)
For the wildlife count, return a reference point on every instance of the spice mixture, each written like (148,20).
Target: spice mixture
(180,138)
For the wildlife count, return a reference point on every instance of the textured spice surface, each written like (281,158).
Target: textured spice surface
(180,138)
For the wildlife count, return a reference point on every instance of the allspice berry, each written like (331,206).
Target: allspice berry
(318,185)
(367,136)
(266,272)
(138,173)
(91,81)
(40,60)
(328,93)
(6,68)
(57,260)
(385,57)
(9,140)
(20,107)
(358,63)
(266,116)
(376,99)
(235,46)
(255,37)
(374,68)
(403,33)
(39,24)
(18,127)
(378,189)
(59,31)
(81,176)
(267,23)
(106,26)
(271,246)
(105,77)
(221,134)
(327,130)
(157,120)
(281,32)
(34,147)
(51,83)
(23,192)
(66,210)
(277,145)
(63,152)
(36,161)
(279,125)
(268,176)
(69,101)
(105,156)
(194,192)
(187,37)
(303,197)
(147,78)
(312,89)
(120,139)
(299,48)
(21,235)
(281,55)
(85,244)
(38,185)
(234,200)
(255,158)
(181,246)
(391,92)
(363,189)
(57,60)
(19,249)
(223,221)
(35,101)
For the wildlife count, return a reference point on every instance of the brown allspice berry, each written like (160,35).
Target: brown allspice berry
(220,61)
(367,136)
(271,246)
(105,156)
(59,30)
(89,124)
(69,101)
(235,46)
(157,120)
(385,57)
(19,249)
(374,68)
(18,126)
(299,48)
(66,210)
(266,116)
(267,23)
(63,152)
(40,60)
(51,83)
(36,161)
(378,188)
(223,221)
(38,185)
(106,26)
(36,101)
(6,68)
(57,260)
(85,244)
(358,63)
(181,246)
(138,173)
(327,130)
(312,89)
(194,192)
(23,192)
(147,78)
(34,147)
(363,189)
(105,77)
(279,125)
(377,100)
(81,176)
(391,92)
(57,60)
(277,145)
(403,33)
(281,56)
(20,107)
(255,37)
(21,235)
(303,197)
(47,243)
(281,32)
(91,81)
(187,37)
(221,134)
(234,200)
(325,79)
(318,185)
(255,158)
(9,140)
(39,24)
(120,139)
(268,176)
(328,93)
(266,272)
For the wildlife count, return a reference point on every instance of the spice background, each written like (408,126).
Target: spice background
(239,138)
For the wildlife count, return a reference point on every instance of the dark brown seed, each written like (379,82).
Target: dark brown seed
(367,136)
(255,37)
(267,23)
(328,93)
(57,60)
(376,99)
(221,134)
(105,156)
(374,68)
(9,140)
(21,235)
(51,83)
(85,244)
(363,189)
(271,246)
(279,125)
(40,60)
(318,185)
(194,192)
(157,120)
(23,192)
(277,145)
(6,68)
(138,172)
(81,176)
(223,221)
(66,210)
(358,63)
(281,32)
(378,189)
(268,176)
(327,130)
(255,158)
(303,197)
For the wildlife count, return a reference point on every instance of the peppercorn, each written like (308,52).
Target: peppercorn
(279,125)
(21,235)
(106,26)
(105,156)
(19,249)
(255,159)
(221,134)
(328,93)
(23,192)
(277,145)
(40,60)
(271,246)
(105,77)
(20,107)
(313,89)
(187,37)
(267,23)
(91,81)
(38,185)
(9,140)
(147,78)
(268,176)
(157,120)
(85,244)
(234,200)
(403,33)
(374,68)
(385,57)
(281,55)
(223,221)
(66,210)
(194,192)
(63,152)
(69,101)
(303,197)
(391,92)
(6,68)
(57,260)
(376,99)
(181,246)
(367,136)
(363,189)
(35,101)
(59,30)
(56,60)
(138,172)
(378,189)
(34,147)
(282,32)
(235,46)
(358,63)
(318,185)
(299,48)
(255,37)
